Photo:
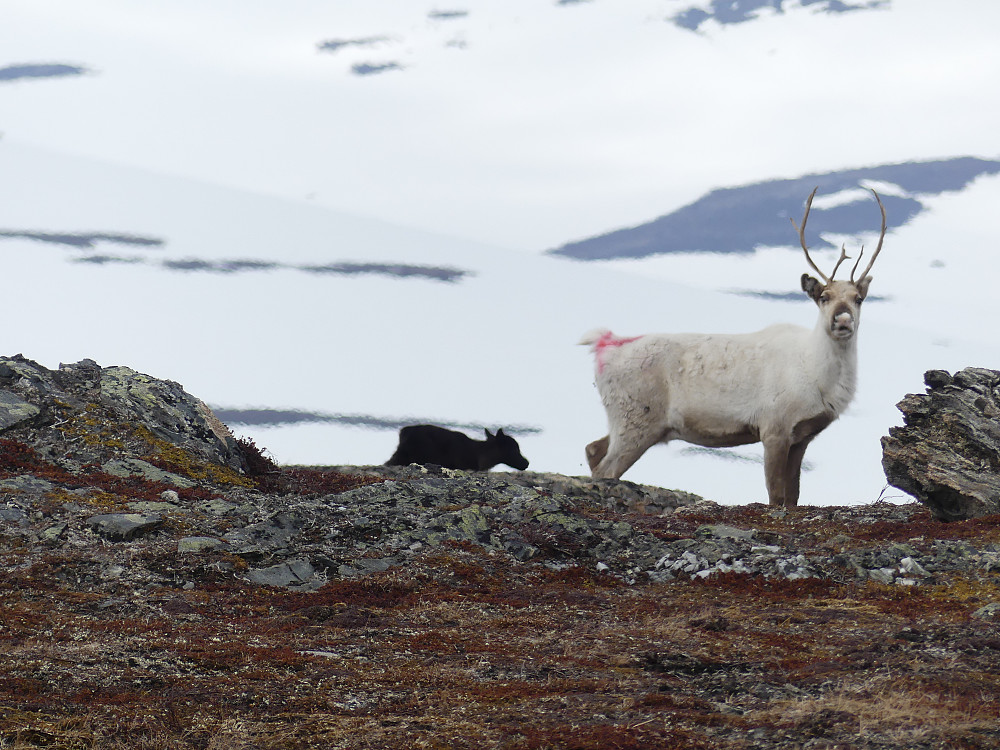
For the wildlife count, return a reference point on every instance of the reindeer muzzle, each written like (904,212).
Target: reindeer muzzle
(842,325)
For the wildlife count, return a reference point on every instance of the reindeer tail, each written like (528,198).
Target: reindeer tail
(593,337)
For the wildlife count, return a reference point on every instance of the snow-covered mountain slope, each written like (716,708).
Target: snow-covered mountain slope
(494,347)
(738,220)
(524,123)
(269,205)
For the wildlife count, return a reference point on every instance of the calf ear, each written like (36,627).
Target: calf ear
(812,287)
(488,435)
(500,432)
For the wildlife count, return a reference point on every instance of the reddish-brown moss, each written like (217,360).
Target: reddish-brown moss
(269,477)
(17,458)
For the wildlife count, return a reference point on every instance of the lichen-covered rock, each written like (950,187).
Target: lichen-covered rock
(124,526)
(947,454)
(98,410)
(14,410)
(169,412)
(296,573)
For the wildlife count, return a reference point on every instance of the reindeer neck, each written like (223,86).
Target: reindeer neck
(836,368)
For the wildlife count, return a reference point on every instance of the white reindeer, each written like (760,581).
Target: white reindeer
(780,386)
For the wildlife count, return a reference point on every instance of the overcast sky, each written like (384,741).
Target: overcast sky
(522,123)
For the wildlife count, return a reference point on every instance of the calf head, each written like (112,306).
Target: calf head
(839,302)
(503,449)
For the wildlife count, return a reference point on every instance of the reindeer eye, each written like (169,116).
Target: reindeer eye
(859,299)
(824,297)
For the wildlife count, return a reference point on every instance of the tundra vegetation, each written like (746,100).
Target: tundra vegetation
(168,587)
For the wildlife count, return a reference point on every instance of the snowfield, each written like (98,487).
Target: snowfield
(209,196)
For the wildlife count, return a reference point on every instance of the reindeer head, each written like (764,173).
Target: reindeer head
(839,301)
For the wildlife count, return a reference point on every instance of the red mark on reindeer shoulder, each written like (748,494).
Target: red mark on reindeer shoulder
(609,340)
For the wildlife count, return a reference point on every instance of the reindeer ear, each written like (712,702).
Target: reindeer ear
(500,432)
(863,286)
(811,286)
(489,435)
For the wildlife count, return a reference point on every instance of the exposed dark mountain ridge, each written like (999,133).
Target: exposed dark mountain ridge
(83,240)
(741,219)
(266,416)
(693,18)
(31,71)
(88,241)
(743,11)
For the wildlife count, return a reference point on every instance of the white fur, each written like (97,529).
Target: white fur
(780,386)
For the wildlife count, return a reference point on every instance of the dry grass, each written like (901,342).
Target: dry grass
(464,650)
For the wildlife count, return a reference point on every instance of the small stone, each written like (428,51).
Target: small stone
(989,612)
(112,572)
(124,526)
(374,565)
(198,544)
(152,506)
(218,507)
(293,573)
(909,565)
(14,515)
(322,654)
(882,575)
(660,576)
(52,533)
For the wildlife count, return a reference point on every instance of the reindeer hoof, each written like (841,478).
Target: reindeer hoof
(596,452)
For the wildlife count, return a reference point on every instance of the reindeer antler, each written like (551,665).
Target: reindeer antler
(843,256)
(802,239)
(877,249)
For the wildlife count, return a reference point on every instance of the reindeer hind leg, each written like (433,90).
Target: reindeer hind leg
(596,451)
(621,453)
(793,472)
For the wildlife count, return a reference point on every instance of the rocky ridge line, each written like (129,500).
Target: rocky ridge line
(98,462)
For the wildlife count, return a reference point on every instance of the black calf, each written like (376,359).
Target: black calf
(429,444)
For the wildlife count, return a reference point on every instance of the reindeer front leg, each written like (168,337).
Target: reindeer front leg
(776,457)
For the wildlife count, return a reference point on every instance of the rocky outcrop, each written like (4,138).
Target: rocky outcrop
(947,454)
(84,411)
